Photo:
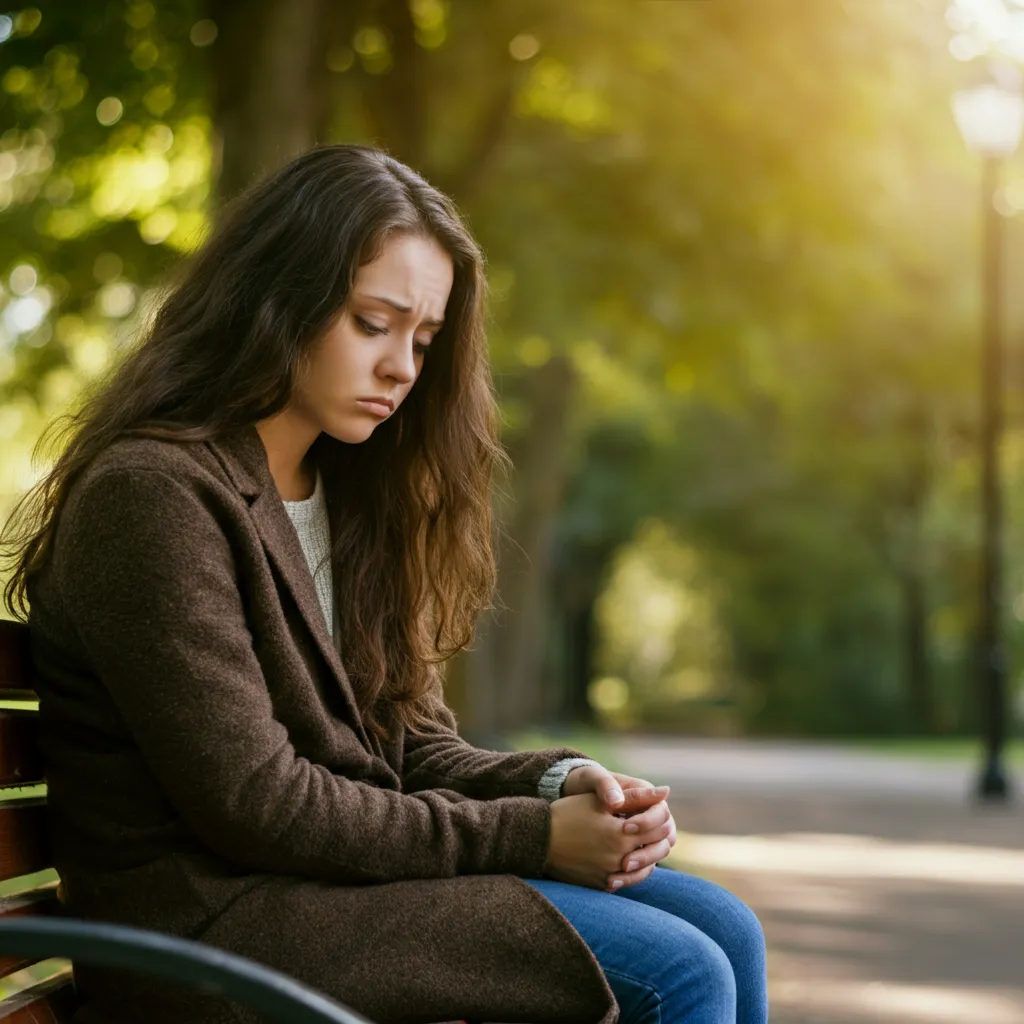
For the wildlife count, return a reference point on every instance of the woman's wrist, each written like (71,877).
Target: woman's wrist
(552,781)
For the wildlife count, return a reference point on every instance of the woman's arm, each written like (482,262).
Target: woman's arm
(148,580)
(441,759)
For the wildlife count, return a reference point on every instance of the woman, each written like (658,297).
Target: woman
(244,571)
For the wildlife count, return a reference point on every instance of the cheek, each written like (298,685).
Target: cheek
(339,352)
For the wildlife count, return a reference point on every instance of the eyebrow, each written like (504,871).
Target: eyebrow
(404,309)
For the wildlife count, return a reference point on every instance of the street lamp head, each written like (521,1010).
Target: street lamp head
(990,115)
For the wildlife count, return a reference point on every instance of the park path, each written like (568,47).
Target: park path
(886,893)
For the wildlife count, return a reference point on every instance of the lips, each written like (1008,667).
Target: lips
(379,406)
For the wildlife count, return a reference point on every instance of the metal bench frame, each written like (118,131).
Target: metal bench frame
(198,966)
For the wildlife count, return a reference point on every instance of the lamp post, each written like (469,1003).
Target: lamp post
(990,116)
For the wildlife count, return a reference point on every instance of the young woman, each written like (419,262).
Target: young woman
(264,535)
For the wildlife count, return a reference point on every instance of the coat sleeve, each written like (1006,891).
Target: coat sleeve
(149,583)
(440,758)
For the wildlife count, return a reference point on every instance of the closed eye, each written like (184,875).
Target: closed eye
(373,329)
(367,327)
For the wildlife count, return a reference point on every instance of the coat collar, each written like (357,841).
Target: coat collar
(244,459)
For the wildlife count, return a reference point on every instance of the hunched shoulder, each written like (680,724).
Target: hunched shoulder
(135,466)
(179,459)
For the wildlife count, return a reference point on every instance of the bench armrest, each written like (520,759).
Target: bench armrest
(194,964)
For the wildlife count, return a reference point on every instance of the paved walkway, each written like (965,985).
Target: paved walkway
(887,895)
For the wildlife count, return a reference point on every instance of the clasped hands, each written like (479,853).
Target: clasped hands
(608,830)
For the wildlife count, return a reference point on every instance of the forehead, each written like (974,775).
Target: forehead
(410,269)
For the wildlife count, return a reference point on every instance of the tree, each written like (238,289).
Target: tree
(695,249)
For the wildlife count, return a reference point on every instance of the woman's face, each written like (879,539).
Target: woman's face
(364,365)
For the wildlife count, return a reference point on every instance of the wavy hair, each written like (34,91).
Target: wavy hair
(410,507)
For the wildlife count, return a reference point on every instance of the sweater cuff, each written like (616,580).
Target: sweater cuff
(551,782)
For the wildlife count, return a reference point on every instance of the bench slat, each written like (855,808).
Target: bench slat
(20,761)
(32,903)
(30,995)
(23,838)
(41,1012)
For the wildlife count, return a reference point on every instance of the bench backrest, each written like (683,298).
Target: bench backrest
(37,992)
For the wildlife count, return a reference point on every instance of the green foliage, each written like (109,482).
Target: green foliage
(664,651)
(748,226)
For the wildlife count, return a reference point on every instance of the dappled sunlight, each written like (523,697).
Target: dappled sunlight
(844,856)
(885,1001)
(981,26)
(881,901)
(826,901)
(156,177)
(866,928)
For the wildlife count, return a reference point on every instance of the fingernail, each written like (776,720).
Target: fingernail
(631,865)
(661,789)
(631,828)
(615,796)
(616,884)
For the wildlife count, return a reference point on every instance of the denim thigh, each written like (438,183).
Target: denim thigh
(673,948)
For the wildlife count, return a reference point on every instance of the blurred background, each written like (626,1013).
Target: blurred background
(746,281)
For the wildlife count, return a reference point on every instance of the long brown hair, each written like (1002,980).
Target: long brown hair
(410,507)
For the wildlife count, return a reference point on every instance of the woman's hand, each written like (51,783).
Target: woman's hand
(652,831)
(587,844)
(609,786)
(638,811)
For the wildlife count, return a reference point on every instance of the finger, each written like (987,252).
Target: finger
(654,835)
(623,881)
(637,799)
(610,792)
(646,794)
(650,854)
(647,820)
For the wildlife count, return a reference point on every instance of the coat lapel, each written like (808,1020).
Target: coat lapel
(245,459)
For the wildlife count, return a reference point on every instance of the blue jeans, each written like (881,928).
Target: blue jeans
(674,948)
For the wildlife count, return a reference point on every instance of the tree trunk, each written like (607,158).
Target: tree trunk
(269,91)
(911,575)
(917,667)
(397,100)
(507,663)
(580,574)
(579,641)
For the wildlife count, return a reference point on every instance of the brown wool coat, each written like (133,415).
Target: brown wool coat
(210,775)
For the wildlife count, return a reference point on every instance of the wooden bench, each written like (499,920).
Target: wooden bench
(29,991)
(38,943)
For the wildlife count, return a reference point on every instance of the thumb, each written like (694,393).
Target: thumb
(610,792)
(645,796)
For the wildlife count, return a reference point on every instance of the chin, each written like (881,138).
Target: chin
(352,433)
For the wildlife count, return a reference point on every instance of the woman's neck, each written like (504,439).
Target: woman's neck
(288,443)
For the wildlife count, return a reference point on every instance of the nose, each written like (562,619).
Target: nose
(399,363)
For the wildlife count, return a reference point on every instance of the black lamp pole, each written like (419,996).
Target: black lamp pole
(992,784)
